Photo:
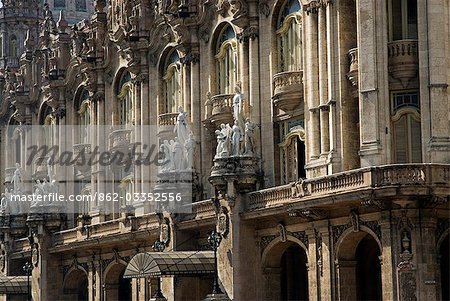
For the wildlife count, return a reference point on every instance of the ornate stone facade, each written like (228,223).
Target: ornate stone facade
(330,182)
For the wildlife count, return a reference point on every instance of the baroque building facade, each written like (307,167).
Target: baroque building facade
(337,190)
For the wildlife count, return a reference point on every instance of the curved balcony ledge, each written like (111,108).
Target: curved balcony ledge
(409,177)
(120,140)
(287,90)
(166,122)
(78,151)
(403,60)
(352,74)
(220,109)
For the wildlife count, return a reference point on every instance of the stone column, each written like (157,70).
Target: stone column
(427,262)
(196,103)
(330,16)
(98,286)
(137,132)
(312,94)
(323,82)
(98,180)
(386,260)
(434,79)
(324,260)
(91,276)
(313,283)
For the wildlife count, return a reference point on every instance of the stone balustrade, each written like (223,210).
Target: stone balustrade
(120,139)
(287,90)
(364,178)
(167,119)
(220,108)
(403,61)
(352,74)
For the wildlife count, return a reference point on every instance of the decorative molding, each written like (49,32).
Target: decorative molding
(249,33)
(282,232)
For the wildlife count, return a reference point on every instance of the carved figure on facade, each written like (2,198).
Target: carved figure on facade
(16,180)
(181,127)
(223,141)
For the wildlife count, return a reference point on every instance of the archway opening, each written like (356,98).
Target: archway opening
(76,286)
(294,274)
(116,287)
(359,268)
(445,269)
(368,269)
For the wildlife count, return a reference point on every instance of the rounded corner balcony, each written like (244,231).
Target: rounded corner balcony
(220,109)
(166,122)
(287,90)
(120,140)
(403,60)
(81,165)
(352,73)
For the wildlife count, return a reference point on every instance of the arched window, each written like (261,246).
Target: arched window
(292,151)
(84,117)
(289,37)
(407,143)
(124,96)
(13,46)
(172,83)
(226,61)
(402,19)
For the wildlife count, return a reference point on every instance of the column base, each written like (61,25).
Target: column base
(158,299)
(217,297)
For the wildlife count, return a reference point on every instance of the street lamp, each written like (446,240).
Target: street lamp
(158,246)
(214,239)
(28,267)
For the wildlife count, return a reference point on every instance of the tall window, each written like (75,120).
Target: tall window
(124,96)
(406,127)
(289,37)
(172,83)
(402,19)
(226,61)
(292,151)
(84,117)
(13,46)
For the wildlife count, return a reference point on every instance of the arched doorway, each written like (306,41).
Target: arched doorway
(116,287)
(445,268)
(359,267)
(76,286)
(294,274)
(285,271)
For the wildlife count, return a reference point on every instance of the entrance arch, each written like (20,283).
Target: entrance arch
(285,270)
(444,268)
(116,287)
(76,285)
(359,267)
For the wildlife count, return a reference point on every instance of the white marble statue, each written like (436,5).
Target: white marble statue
(50,169)
(167,161)
(181,128)
(249,141)
(236,139)
(223,141)
(190,148)
(17,179)
(178,155)
(238,101)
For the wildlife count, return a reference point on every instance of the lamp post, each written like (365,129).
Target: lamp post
(158,246)
(28,267)
(214,239)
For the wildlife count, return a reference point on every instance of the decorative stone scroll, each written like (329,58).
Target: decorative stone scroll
(337,231)
(266,240)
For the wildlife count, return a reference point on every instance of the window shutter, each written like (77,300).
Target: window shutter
(400,141)
(416,149)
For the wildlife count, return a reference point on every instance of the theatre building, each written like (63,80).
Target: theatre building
(312,138)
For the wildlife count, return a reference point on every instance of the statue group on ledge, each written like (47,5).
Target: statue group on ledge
(236,140)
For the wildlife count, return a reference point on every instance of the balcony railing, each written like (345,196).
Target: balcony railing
(287,89)
(364,178)
(219,109)
(403,61)
(352,74)
(167,119)
(120,140)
